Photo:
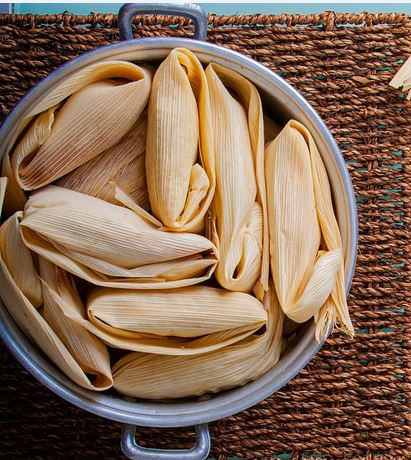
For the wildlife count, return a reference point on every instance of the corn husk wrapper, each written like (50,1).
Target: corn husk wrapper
(403,78)
(103,104)
(35,326)
(88,351)
(305,242)
(163,377)
(143,342)
(14,199)
(19,260)
(179,156)
(111,246)
(187,312)
(239,208)
(271,129)
(123,164)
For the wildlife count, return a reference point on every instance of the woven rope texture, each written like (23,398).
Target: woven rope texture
(352,400)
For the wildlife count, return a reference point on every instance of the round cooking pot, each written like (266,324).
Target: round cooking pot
(284,103)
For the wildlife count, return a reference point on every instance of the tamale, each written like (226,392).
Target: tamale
(142,375)
(187,312)
(238,208)
(19,260)
(112,246)
(179,156)
(93,118)
(143,342)
(38,330)
(123,165)
(305,243)
(88,351)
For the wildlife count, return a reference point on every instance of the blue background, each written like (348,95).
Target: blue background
(219,8)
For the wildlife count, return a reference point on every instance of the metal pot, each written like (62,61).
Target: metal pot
(285,103)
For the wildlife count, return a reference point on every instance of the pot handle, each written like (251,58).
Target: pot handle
(192,11)
(128,441)
(135,452)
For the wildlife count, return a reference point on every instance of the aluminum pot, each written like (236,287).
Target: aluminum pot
(284,103)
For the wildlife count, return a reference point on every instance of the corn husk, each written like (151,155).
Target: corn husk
(111,246)
(19,260)
(143,375)
(271,129)
(88,351)
(187,312)
(239,203)
(34,325)
(93,118)
(123,165)
(179,156)
(15,199)
(403,78)
(305,242)
(143,342)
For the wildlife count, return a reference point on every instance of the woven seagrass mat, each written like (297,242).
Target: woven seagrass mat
(352,400)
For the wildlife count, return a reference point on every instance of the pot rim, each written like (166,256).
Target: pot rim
(223,404)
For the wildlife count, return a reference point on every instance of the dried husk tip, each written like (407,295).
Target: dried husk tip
(403,78)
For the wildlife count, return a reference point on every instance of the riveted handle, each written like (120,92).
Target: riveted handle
(191,11)
(132,450)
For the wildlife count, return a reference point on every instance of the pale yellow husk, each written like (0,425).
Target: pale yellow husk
(143,375)
(35,326)
(112,246)
(19,260)
(271,128)
(34,137)
(88,351)
(403,78)
(104,103)
(179,155)
(238,208)
(123,164)
(14,199)
(143,342)
(305,243)
(187,312)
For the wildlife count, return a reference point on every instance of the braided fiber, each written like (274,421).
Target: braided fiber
(352,400)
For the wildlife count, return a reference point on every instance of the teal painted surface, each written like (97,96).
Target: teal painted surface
(223,8)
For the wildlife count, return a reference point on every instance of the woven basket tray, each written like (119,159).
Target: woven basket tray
(352,400)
